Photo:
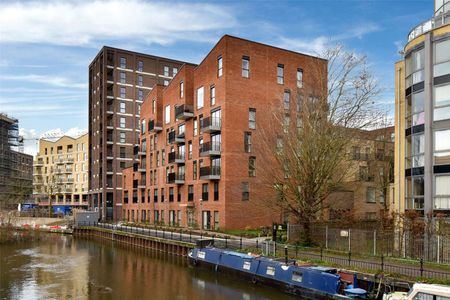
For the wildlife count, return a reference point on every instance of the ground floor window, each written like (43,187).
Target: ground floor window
(216,220)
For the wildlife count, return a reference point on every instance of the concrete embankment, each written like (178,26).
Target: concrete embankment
(135,239)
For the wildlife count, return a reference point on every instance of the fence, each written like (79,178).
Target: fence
(271,248)
(434,248)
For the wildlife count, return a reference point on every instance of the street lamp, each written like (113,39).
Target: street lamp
(201,216)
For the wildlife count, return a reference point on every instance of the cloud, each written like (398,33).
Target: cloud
(318,45)
(45,79)
(80,23)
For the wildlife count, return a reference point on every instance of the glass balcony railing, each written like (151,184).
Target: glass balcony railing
(441,17)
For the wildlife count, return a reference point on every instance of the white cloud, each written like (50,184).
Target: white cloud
(81,23)
(49,80)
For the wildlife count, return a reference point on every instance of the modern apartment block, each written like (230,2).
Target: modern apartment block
(422,118)
(197,160)
(60,176)
(15,167)
(119,80)
(367,189)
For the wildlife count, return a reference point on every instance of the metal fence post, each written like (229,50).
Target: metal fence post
(421,267)
(286,254)
(163,234)
(349,241)
(226,242)
(438,248)
(181,233)
(296,251)
(375,242)
(321,253)
(190,236)
(382,263)
(326,237)
(349,258)
(256,243)
(171,235)
(240,243)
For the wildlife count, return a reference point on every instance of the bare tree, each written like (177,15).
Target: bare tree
(303,151)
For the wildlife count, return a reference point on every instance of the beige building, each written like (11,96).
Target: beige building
(61,172)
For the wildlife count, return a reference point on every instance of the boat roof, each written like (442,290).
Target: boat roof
(434,289)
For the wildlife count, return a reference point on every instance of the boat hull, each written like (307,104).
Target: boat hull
(305,293)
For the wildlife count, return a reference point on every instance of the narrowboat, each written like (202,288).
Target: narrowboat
(309,282)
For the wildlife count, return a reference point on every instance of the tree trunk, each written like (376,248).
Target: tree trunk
(306,237)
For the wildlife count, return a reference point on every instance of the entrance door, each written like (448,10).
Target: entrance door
(206,219)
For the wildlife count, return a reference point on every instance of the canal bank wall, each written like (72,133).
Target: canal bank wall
(144,241)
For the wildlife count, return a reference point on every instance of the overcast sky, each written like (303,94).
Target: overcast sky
(46,46)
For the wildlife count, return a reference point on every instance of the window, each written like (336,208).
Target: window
(167,114)
(442,192)
(247,142)
(205,192)
(252,166)
(297,276)
(155,196)
(125,196)
(299,78)
(166,71)
(171,194)
(280,74)
(356,153)
(415,109)
(190,150)
(286,99)
(270,271)
(166,82)
(194,169)
(370,195)
(442,147)
(441,95)
(442,58)
(181,89)
(162,195)
(140,80)
(122,123)
(163,157)
(216,191)
(123,78)
(415,148)
(414,64)
(142,126)
(122,137)
(140,95)
(252,118)
(195,127)
(212,95)
(122,107)
(219,66)
(140,66)
(246,265)
(123,62)
(245,66)
(245,191)
(123,93)
(200,100)
(190,193)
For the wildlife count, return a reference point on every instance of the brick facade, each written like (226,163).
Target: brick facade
(218,172)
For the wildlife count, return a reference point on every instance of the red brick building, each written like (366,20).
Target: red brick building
(197,160)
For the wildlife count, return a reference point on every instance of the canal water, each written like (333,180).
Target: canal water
(65,267)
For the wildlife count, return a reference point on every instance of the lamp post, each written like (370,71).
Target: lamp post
(201,216)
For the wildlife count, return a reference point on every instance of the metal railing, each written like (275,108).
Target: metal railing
(272,248)
(441,17)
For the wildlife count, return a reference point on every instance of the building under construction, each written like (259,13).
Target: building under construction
(16,168)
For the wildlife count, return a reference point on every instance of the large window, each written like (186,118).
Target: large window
(286,99)
(414,67)
(123,62)
(122,107)
(441,97)
(140,67)
(252,166)
(280,74)
(415,188)
(167,114)
(247,142)
(166,71)
(442,58)
(415,109)
(212,95)
(299,78)
(200,97)
(415,148)
(370,195)
(442,147)
(122,123)
(442,192)
(181,89)
(252,118)
(123,77)
(219,66)
(245,66)
(123,93)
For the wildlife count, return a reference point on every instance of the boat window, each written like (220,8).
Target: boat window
(297,276)
(270,271)
(423,296)
(201,254)
(246,265)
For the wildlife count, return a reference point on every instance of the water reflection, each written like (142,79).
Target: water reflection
(60,267)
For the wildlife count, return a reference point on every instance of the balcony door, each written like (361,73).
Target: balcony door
(206,219)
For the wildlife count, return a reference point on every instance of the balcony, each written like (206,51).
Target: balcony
(441,17)
(210,149)
(176,157)
(175,178)
(184,112)
(39,163)
(175,138)
(154,126)
(210,173)
(210,124)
